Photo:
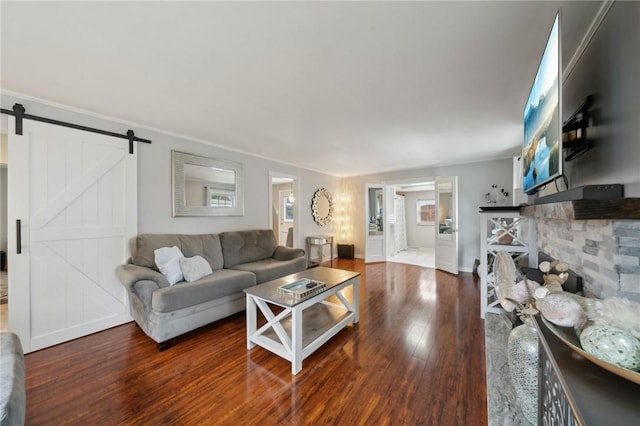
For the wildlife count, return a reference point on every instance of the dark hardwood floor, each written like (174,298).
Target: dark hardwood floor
(416,358)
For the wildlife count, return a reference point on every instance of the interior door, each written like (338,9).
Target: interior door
(374,223)
(72,200)
(390,220)
(279,214)
(286,215)
(447,224)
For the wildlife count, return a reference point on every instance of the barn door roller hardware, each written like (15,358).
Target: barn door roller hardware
(19,112)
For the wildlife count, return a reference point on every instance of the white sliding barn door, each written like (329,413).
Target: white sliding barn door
(75,194)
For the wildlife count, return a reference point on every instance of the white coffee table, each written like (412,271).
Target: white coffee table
(301,327)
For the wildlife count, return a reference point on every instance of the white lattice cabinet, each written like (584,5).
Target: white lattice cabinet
(503,230)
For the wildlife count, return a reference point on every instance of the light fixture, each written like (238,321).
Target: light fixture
(292,199)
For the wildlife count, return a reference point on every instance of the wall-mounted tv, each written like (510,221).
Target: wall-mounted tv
(542,149)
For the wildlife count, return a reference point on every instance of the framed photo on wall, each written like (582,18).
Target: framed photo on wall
(426,212)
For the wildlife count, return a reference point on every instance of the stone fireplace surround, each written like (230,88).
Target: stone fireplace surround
(600,240)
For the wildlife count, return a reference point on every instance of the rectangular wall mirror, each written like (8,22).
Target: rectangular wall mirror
(205,186)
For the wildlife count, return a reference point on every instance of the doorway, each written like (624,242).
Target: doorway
(412,228)
(283,208)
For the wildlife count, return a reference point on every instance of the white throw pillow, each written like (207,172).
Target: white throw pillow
(194,268)
(168,262)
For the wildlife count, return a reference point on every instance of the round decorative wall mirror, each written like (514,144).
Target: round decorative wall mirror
(322,207)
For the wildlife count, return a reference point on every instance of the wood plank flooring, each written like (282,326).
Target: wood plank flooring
(416,358)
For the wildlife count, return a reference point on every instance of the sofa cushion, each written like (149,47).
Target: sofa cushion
(167,260)
(205,245)
(194,268)
(270,269)
(221,282)
(247,246)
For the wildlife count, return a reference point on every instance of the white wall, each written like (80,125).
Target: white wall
(154,178)
(194,194)
(421,236)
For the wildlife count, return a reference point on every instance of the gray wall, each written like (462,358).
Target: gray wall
(421,236)
(154,179)
(609,68)
(474,180)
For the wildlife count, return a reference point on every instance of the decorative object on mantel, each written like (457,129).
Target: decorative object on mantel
(522,355)
(568,336)
(562,309)
(613,345)
(553,282)
(522,345)
(617,312)
(606,332)
(322,207)
(495,196)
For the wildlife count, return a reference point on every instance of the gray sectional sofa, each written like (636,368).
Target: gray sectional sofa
(238,260)
(12,380)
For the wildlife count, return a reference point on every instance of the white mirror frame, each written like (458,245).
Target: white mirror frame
(178,161)
(321,218)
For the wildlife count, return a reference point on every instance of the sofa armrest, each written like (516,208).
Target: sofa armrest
(130,274)
(287,253)
(12,380)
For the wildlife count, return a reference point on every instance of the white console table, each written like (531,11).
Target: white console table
(503,230)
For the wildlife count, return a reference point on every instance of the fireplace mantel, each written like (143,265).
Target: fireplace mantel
(616,209)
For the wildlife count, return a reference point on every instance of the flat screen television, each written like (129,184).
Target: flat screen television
(542,149)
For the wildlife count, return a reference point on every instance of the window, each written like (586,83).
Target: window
(288,209)
(426,212)
(221,198)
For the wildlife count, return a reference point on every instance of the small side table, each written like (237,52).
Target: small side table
(321,241)
(345,251)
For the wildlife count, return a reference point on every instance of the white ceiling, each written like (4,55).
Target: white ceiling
(345,88)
